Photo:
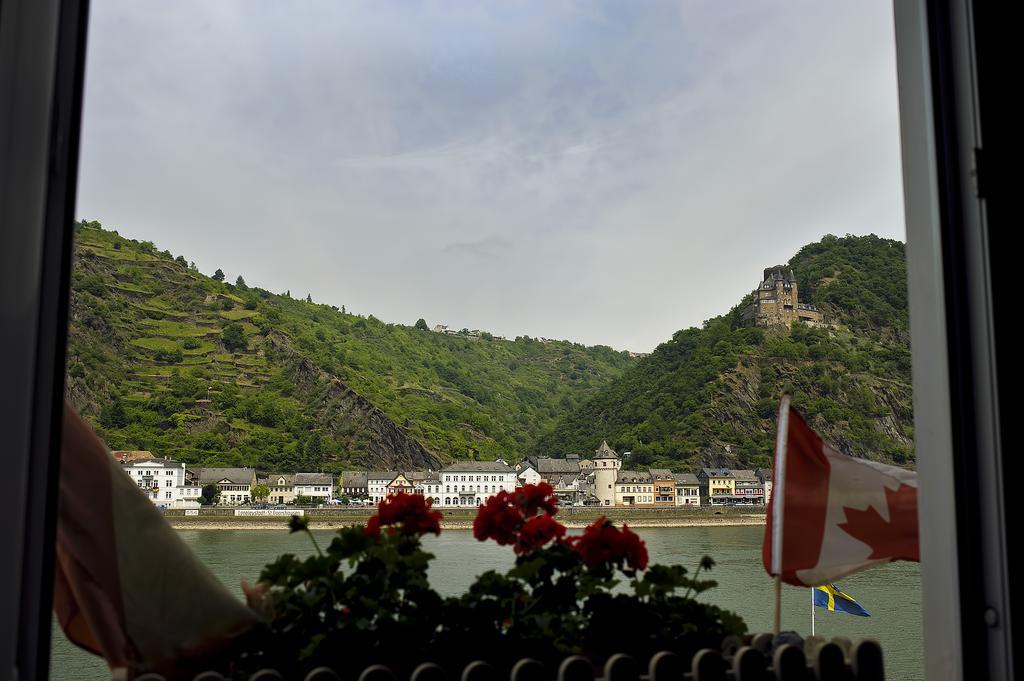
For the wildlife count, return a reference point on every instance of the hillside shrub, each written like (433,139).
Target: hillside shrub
(233,337)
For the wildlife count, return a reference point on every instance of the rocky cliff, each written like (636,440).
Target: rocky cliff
(348,416)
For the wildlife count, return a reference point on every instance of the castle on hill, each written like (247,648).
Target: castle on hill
(777,301)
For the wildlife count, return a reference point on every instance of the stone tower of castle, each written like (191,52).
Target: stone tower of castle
(606,469)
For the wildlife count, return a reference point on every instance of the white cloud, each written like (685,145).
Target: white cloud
(556,169)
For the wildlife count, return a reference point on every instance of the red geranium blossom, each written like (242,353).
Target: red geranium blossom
(410,511)
(498,519)
(506,515)
(537,532)
(602,543)
(532,499)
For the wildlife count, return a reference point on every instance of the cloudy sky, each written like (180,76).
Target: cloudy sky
(602,172)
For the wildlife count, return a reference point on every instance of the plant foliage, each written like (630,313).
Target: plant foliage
(366,599)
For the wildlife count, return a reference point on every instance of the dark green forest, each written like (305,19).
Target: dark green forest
(164,358)
(709,395)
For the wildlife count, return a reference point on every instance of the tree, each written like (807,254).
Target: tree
(93,284)
(218,275)
(309,298)
(314,450)
(260,492)
(211,495)
(421,324)
(173,356)
(114,415)
(240,283)
(233,337)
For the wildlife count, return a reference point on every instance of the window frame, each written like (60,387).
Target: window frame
(42,63)
(952,263)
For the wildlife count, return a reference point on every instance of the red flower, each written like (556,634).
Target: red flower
(410,511)
(532,499)
(498,519)
(601,544)
(634,549)
(537,532)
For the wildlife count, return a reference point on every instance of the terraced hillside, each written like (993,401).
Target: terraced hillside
(162,357)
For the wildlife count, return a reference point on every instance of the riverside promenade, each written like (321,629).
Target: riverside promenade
(224,518)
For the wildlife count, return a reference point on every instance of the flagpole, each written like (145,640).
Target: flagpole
(778,604)
(778,499)
(812,611)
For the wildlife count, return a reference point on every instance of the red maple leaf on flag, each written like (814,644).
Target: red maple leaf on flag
(895,539)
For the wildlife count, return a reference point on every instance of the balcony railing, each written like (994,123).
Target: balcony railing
(750,659)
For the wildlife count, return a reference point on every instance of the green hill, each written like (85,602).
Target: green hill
(709,395)
(164,358)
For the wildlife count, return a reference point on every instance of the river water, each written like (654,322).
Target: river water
(891,593)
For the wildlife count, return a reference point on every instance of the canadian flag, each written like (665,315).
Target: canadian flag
(831,515)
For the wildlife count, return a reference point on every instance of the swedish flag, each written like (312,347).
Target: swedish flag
(828,596)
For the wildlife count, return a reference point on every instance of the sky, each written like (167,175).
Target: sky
(607,173)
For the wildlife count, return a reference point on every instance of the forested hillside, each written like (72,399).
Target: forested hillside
(164,358)
(709,396)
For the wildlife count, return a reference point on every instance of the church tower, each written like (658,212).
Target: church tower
(606,469)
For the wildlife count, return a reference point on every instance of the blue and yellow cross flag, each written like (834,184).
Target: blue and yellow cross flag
(828,596)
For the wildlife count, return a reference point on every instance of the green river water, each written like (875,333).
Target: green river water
(892,593)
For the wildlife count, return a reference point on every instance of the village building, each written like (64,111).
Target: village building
(634,488)
(234,484)
(429,486)
(570,489)
(606,468)
(353,484)
(766,478)
(748,489)
(127,456)
(749,492)
(316,486)
(400,483)
(418,480)
(164,481)
(687,489)
(528,475)
(377,484)
(549,468)
(471,483)
(717,485)
(281,488)
(664,487)
(777,303)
